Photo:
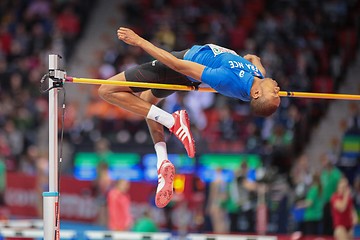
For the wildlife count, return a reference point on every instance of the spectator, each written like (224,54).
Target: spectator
(231,205)
(103,154)
(357,195)
(301,177)
(102,187)
(313,205)
(29,159)
(39,8)
(278,194)
(5,150)
(227,124)
(216,198)
(330,177)
(68,23)
(280,136)
(354,121)
(253,143)
(343,211)
(119,215)
(145,223)
(5,39)
(4,211)
(2,181)
(103,151)
(14,137)
(39,40)
(243,199)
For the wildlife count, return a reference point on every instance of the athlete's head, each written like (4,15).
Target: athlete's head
(264,97)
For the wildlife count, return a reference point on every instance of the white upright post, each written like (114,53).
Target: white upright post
(51,198)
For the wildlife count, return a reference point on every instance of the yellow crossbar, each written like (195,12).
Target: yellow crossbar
(206,89)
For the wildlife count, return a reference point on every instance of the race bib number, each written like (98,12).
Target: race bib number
(218,50)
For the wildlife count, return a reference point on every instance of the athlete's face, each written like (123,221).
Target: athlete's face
(270,90)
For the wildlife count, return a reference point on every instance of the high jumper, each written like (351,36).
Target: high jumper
(221,68)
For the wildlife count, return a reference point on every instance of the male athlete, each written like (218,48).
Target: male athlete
(220,68)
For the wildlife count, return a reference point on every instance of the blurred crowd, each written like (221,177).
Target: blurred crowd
(304,45)
(29,32)
(307,202)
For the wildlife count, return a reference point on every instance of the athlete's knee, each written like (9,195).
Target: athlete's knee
(104,92)
(108,93)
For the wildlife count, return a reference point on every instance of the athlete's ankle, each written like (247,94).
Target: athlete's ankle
(158,115)
(161,153)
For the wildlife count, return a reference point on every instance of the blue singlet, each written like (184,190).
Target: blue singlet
(225,71)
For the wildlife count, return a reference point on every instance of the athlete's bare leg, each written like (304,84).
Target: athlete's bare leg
(155,128)
(123,97)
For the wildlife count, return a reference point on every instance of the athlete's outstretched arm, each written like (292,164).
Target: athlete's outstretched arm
(187,68)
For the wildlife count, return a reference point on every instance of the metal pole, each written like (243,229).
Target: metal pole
(51,198)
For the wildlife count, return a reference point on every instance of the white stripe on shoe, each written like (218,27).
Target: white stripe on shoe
(161,183)
(181,130)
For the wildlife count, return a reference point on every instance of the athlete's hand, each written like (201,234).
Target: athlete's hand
(251,57)
(256,61)
(128,36)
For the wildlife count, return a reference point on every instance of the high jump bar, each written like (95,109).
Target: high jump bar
(205,89)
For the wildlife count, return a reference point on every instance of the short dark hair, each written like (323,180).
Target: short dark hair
(262,107)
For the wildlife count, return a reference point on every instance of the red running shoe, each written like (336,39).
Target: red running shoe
(181,129)
(164,191)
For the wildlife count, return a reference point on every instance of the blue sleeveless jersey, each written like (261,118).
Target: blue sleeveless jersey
(225,71)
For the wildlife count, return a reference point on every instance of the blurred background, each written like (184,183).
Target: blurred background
(250,175)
